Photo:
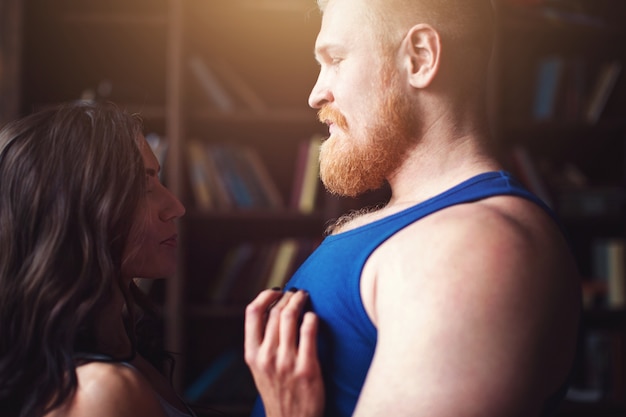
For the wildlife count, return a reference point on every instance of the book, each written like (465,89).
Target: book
(597,367)
(559,14)
(306,183)
(231,176)
(616,276)
(283,262)
(210,376)
(239,86)
(549,74)
(298,175)
(290,254)
(608,271)
(231,269)
(226,380)
(222,198)
(605,83)
(217,94)
(252,278)
(586,201)
(243,179)
(525,168)
(247,179)
(571,100)
(199,175)
(259,179)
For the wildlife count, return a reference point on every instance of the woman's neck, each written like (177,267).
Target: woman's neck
(111,336)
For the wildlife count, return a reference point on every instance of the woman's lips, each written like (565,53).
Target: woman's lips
(171,241)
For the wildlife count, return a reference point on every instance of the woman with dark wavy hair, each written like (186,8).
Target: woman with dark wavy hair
(82,213)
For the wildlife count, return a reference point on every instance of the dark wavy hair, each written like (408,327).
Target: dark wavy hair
(71,178)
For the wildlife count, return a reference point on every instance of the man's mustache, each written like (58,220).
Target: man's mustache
(328,115)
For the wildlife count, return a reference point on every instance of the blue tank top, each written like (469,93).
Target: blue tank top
(331,275)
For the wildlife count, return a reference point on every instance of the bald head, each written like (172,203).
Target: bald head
(465,28)
(455,20)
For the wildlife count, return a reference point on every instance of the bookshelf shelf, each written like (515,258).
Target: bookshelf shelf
(555,24)
(596,409)
(286,115)
(577,128)
(541,25)
(597,223)
(605,318)
(215,312)
(255,225)
(555,137)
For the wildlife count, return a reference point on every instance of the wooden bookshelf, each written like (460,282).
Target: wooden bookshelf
(222,30)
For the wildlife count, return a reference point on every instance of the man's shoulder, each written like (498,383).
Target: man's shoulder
(508,239)
(496,218)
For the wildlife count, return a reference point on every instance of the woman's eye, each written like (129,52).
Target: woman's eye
(149,183)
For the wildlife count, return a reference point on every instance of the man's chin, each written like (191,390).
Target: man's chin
(350,189)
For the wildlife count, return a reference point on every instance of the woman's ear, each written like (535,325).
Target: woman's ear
(422,49)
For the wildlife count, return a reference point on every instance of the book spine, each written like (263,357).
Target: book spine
(211,85)
(285,256)
(602,90)
(258,181)
(616,275)
(548,79)
(306,178)
(198,175)
(233,181)
(529,174)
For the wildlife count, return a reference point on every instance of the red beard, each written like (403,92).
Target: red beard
(350,166)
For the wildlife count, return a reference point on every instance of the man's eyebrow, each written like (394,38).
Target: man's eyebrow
(324,50)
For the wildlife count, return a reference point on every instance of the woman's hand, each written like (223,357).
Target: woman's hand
(285,368)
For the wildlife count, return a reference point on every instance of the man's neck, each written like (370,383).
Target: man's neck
(442,158)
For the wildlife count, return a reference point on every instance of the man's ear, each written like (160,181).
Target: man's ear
(422,49)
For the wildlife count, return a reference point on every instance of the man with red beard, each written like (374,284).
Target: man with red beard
(458,298)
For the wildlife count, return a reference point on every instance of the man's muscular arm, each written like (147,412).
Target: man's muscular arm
(476,310)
